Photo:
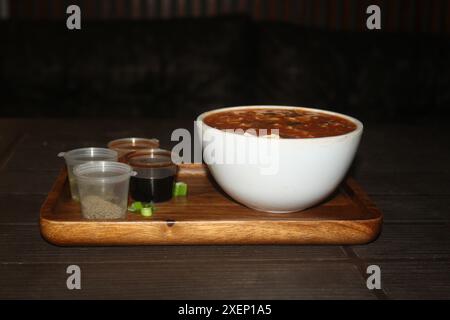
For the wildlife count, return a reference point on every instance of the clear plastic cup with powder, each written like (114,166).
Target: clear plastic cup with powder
(103,188)
(83,155)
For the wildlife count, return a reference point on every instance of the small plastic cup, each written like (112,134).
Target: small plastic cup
(103,188)
(155,175)
(83,155)
(127,145)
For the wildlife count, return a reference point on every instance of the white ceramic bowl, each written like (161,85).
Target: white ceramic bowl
(293,174)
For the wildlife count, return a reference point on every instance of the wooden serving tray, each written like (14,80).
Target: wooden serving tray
(208,216)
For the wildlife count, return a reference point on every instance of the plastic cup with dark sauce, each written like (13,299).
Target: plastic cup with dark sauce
(155,175)
(127,145)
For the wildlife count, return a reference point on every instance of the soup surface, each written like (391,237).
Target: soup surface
(291,123)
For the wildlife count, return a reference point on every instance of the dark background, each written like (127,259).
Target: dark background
(177,58)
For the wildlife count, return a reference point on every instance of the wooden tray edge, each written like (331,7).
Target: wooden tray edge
(300,232)
(61,232)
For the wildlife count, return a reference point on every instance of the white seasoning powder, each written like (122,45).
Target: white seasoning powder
(94,207)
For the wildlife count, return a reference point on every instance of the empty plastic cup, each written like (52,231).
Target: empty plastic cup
(103,188)
(83,155)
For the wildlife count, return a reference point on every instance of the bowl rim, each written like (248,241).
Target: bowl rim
(357,131)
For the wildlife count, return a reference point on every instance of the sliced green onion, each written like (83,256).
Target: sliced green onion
(147,212)
(137,205)
(180,189)
(144,208)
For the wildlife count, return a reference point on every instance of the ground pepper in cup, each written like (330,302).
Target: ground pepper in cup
(103,188)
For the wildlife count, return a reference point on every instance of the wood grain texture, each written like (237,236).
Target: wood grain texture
(10,136)
(403,184)
(20,209)
(23,244)
(409,241)
(413,208)
(403,168)
(215,279)
(26,182)
(423,279)
(209,216)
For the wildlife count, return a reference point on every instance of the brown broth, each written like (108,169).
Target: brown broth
(291,123)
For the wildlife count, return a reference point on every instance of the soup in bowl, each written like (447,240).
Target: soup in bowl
(278,158)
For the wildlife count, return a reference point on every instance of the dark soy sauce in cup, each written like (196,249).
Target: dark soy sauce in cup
(153,189)
(155,175)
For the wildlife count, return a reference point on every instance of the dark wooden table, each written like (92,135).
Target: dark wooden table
(405,169)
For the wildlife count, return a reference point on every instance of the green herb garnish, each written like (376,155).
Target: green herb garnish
(180,189)
(147,212)
(146,209)
(137,205)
